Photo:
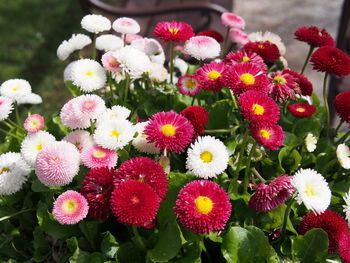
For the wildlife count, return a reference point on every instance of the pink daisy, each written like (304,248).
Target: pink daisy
(126,25)
(268,135)
(170,131)
(238,36)
(70,120)
(283,87)
(203,206)
(88,106)
(344,247)
(202,47)
(110,63)
(232,20)
(81,139)
(173,31)
(34,123)
(70,208)
(269,197)
(95,156)
(242,56)
(211,76)
(57,164)
(301,110)
(131,38)
(189,85)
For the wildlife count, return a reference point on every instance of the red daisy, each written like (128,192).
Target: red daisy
(242,56)
(246,76)
(268,135)
(314,36)
(269,197)
(146,170)
(332,223)
(211,76)
(173,31)
(134,203)
(258,107)
(169,130)
(189,85)
(302,109)
(265,49)
(304,84)
(342,105)
(203,206)
(344,247)
(331,60)
(283,87)
(97,188)
(198,116)
(212,33)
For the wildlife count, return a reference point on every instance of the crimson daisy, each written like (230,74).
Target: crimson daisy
(268,135)
(283,87)
(342,106)
(265,49)
(189,85)
(212,33)
(198,116)
(302,109)
(211,76)
(314,36)
(304,84)
(173,31)
(242,56)
(203,206)
(344,247)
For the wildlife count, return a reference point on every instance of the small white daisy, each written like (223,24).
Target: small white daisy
(312,189)
(88,74)
(15,88)
(126,25)
(268,36)
(81,139)
(64,50)
(181,65)
(114,113)
(95,23)
(147,45)
(140,142)
(67,73)
(109,42)
(13,173)
(31,98)
(32,144)
(207,157)
(310,142)
(114,134)
(202,47)
(343,155)
(347,207)
(158,72)
(79,41)
(159,59)
(6,107)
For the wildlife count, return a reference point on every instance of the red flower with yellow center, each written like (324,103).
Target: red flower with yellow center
(302,109)
(314,36)
(173,31)
(283,87)
(268,135)
(211,76)
(265,49)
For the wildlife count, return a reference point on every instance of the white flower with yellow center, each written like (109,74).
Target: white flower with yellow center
(310,142)
(207,157)
(109,42)
(32,144)
(114,113)
(95,23)
(343,155)
(15,88)
(312,190)
(140,142)
(347,207)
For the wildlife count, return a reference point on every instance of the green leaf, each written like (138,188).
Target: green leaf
(57,120)
(129,253)
(220,115)
(74,90)
(312,247)
(109,245)
(307,125)
(90,231)
(38,187)
(80,256)
(274,219)
(291,139)
(288,159)
(192,253)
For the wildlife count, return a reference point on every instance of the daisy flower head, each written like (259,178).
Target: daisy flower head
(109,62)
(64,50)
(81,139)
(88,106)
(131,38)
(170,131)
(34,123)
(265,49)
(344,247)
(211,76)
(232,20)
(314,36)
(114,134)
(203,206)
(108,42)
(330,222)
(126,25)
(140,141)
(342,106)
(198,116)
(347,206)
(95,156)
(117,112)
(57,164)
(70,207)
(207,157)
(79,41)
(269,197)
(331,60)
(6,107)
(31,98)
(134,203)
(95,23)
(343,155)
(304,84)
(149,46)
(258,107)
(268,135)
(313,190)
(70,120)
(239,37)
(246,76)
(14,172)
(301,110)
(32,144)
(283,87)
(189,85)
(158,73)
(202,47)
(173,31)
(15,88)
(310,142)
(268,36)
(181,65)
(212,33)
(97,188)
(241,56)
(88,75)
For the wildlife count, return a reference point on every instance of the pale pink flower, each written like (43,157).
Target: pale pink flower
(95,156)
(34,123)
(238,36)
(202,47)
(126,25)
(81,139)
(110,63)
(232,20)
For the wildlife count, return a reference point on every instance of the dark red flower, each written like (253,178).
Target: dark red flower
(332,223)
(331,60)
(265,49)
(97,188)
(212,33)
(344,247)
(342,105)
(304,84)
(302,109)
(314,36)
(198,116)
(173,31)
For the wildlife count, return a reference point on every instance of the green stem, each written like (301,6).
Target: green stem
(126,90)
(138,238)
(94,47)
(92,127)
(311,49)
(247,170)
(10,123)
(194,97)
(343,139)
(235,105)
(171,61)
(11,134)
(18,119)
(338,127)
(15,214)
(326,104)
(285,218)
(257,175)
(218,131)
(225,43)
(124,37)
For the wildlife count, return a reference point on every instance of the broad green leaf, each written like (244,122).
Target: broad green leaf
(291,139)
(80,256)
(109,245)
(220,115)
(129,253)
(191,254)
(74,90)
(90,231)
(274,219)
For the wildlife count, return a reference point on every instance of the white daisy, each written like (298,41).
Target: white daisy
(114,134)
(126,25)
(147,45)
(64,50)
(13,173)
(32,144)
(140,142)
(67,73)
(159,59)
(6,107)
(81,139)
(15,88)
(207,157)
(114,113)
(88,74)
(312,189)
(347,207)
(109,42)
(202,47)
(88,106)
(79,41)
(343,155)
(158,72)
(32,98)
(95,23)
(268,36)
(181,65)
(310,142)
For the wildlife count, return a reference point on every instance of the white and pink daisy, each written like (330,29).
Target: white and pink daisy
(232,20)
(15,88)
(268,36)
(34,123)
(81,139)
(211,76)
(140,142)
(110,62)
(126,25)
(189,85)
(149,46)
(6,107)
(238,36)
(117,112)
(70,120)
(131,38)
(96,156)
(202,47)
(88,106)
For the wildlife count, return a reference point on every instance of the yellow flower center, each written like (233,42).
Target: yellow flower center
(300,110)
(279,80)
(35,123)
(69,206)
(39,147)
(204,205)
(214,74)
(115,134)
(99,154)
(135,200)
(89,73)
(309,190)
(261,46)
(245,59)
(190,83)
(4,170)
(247,79)
(14,89)
(265,133)
(258,109)
(173,31)
(206,157)
(168,130)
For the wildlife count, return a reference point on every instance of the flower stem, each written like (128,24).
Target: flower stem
(311,49)
(285,218)
(218,131)
(171,62)
(193,99)
(256,173)
(138,238)
(18,119)
(124,37)
(15,214)
(343,139)
(94,47)
(326,104)
(247,170)
(234,100)
(225,43)
(11,134)
(338,127)
(126,90)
